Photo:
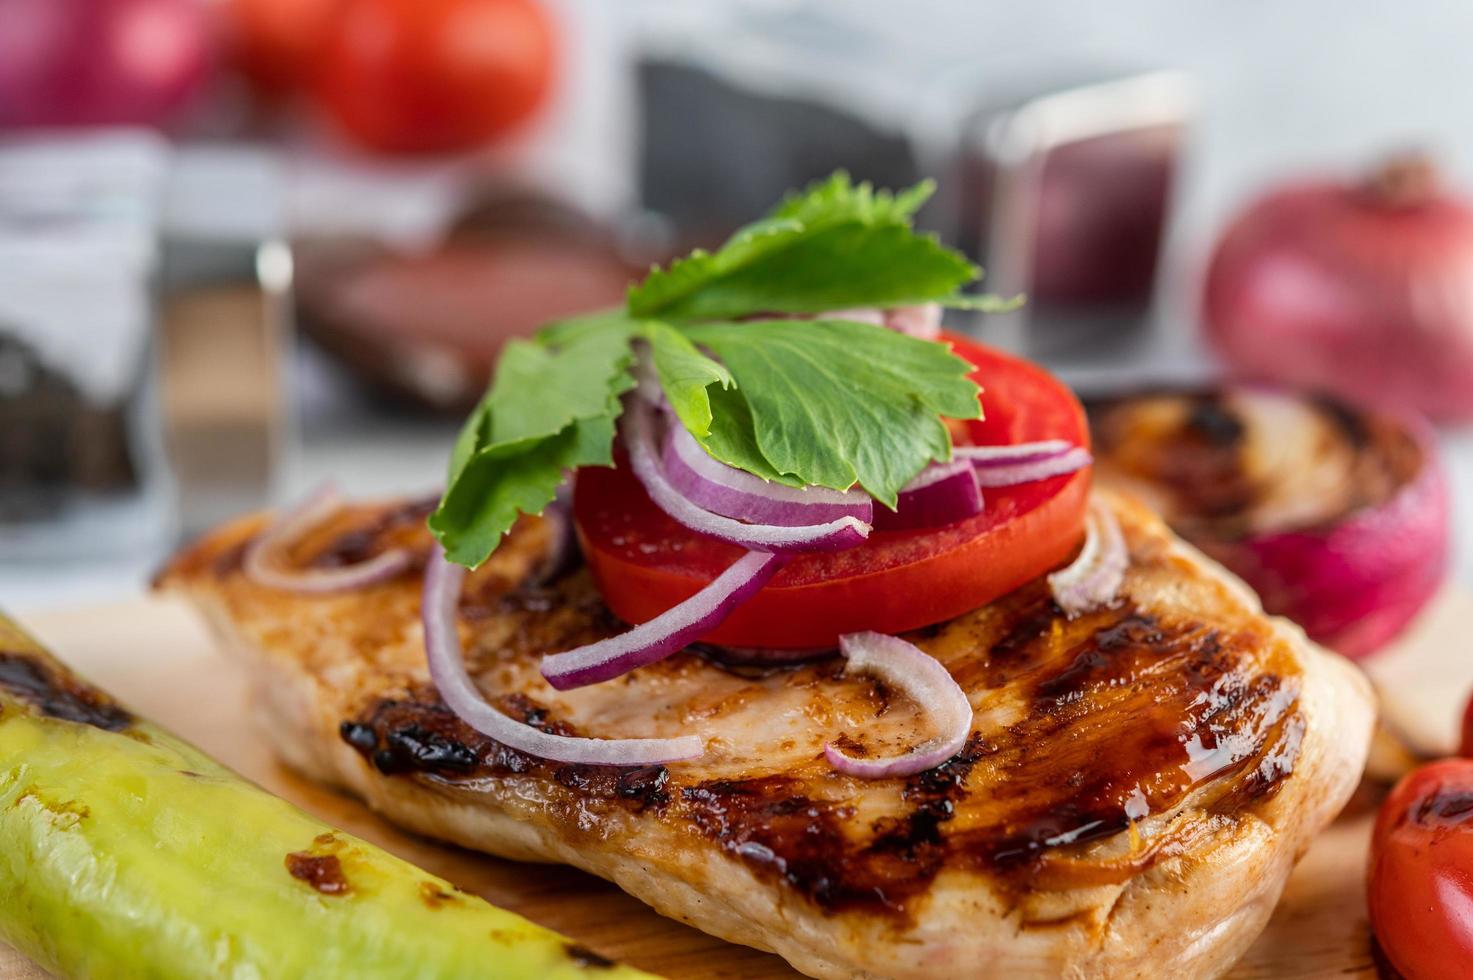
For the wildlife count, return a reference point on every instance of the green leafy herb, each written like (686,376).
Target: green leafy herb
(550,408)
(837,245)
(685,374)
(827,402)
(834,402)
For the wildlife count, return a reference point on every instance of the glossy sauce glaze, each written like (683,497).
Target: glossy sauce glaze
(1085,729)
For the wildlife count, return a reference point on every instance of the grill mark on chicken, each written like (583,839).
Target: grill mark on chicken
(1181,710)
(420,736)
(1137,712)
(1104,745)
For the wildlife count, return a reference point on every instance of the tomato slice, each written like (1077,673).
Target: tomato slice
(644,562)
(1421,873)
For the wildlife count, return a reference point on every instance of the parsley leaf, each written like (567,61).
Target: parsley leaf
(827,402)
(551,407)
(837,245)
(685,374)
(500,482)
(833,402)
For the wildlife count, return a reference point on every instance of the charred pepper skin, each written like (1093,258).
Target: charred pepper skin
(125,852)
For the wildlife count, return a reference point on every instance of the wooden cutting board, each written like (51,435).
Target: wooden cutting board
(157,658)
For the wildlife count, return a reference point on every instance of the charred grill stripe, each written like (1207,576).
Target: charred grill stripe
(421,737)
(57,694)
(1135,717)
(1110,718)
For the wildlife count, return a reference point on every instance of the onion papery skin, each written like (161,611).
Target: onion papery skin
(1356,585)
(1323,287)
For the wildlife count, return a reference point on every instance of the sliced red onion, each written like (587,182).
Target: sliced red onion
(447,670)
(262,560)
(671,631)
(1010,474)
(846,532)
(731,492)
(943,494)
(923,321)
(1094,578)
(1023,452)
(908,668)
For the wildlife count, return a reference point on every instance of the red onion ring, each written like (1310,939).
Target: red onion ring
(1009,474)
(261,567)
(846,532)
(908,668)
(667,633)
(1094,578)
(1023,452)
(447,670)
(943,493)
(731,492)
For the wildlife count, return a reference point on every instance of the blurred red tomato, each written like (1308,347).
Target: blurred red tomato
(1421,873)
(91,62)
(425,76)
(277,43)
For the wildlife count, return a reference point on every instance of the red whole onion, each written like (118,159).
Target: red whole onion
(95,62)
(1364,290)
(1338,518)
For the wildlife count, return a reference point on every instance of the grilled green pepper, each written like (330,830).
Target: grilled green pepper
(125,852)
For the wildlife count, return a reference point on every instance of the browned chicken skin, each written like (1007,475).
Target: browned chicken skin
(1137,786)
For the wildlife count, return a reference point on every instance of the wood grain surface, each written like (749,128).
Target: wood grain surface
(157,658)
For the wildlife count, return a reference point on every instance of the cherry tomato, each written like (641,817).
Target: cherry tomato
(277,43)
(428,76)
(644,562)
(1421,873)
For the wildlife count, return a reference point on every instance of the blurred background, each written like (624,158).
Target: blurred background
(247,245)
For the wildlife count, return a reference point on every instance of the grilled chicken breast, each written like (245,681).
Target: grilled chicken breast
(1137,787)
